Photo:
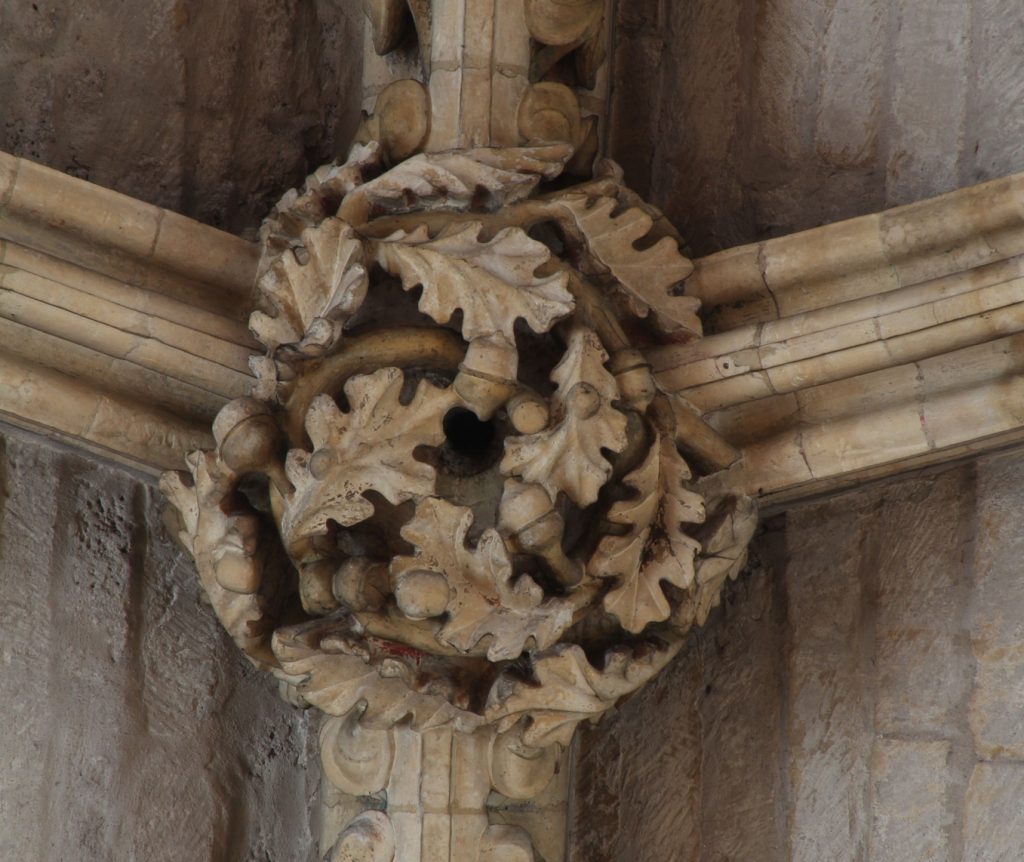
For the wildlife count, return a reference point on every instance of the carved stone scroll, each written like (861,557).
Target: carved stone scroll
(454,514)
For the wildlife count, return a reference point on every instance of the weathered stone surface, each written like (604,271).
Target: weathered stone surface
(746,120)
(995,114)
(923,668)
(138,732)
(910,818)
(997,618)
(212,110)
(832,556)
(656,734)
(707,730)
(741,125)
(743,722)
(859,693)
(930,50)
(994,817)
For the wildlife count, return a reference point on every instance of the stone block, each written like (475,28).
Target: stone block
(138,730)
(994,816)
(830,740)
(924,677)
(617,814)
(910,819)
(930,51)
(996,107)
(828,549)
(922,651)
(741,709)
(997,703)
(997,613)
(852,81)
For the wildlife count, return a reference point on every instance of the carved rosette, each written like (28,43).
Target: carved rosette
(456,514)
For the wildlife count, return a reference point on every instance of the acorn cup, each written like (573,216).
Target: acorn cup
(633,375)
(487,375)
(249,440)
(528,517)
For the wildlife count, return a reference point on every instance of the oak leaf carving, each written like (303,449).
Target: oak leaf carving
(568,456)
(493,282)
(654,547)
(731,523)
(648,276)
(370,447)
(566,688)
(313,299)
(486,599)
(216,537)
(318,198)
(456,181)
(333,672)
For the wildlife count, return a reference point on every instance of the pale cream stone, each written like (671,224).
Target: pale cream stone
(810,269)
(729,277)
(205,254)
(126,320)
(143,349)
(49,402)
(795,376)
(861,395)
(851,444)
(8,173)
(750,422)
(127,379)
(98,215)
(715,396)
(146,302)
(446,108)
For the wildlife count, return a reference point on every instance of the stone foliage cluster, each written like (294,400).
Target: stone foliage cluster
(455,505)
(389,562)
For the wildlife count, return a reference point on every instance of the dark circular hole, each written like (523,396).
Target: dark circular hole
(466,434)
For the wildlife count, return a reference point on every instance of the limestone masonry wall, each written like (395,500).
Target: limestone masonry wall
(210,109)
(753,118)
(132,729)
(857,697)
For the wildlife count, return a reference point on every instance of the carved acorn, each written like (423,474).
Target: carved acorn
(533,526)
(249,440)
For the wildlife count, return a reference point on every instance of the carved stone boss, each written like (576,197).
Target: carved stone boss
(456,513)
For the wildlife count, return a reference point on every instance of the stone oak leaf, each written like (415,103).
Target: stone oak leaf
(648,276)
(485,598)
(224,547)
(456,181)
(568,456)
(731,523)
(318,198)
(315,298)
(566,689)
(654,547)
(492,282)
(370,447)
(331,671)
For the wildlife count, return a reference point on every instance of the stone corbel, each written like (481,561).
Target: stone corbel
(456,513)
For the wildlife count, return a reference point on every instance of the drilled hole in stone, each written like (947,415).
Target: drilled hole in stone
(467,435)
